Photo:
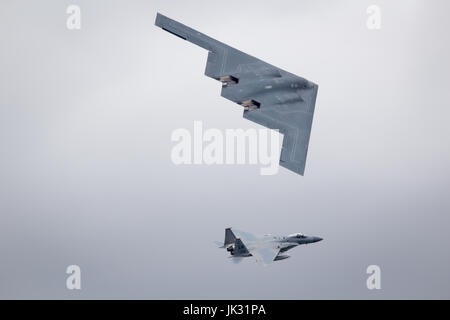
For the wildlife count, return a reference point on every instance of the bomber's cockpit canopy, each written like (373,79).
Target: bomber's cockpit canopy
(297,235)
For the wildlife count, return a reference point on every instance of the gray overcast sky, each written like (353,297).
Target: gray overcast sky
(86,176)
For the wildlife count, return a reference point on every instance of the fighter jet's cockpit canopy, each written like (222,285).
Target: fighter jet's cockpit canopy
(297,235)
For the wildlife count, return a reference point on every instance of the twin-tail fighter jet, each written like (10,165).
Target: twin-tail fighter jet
(265,249)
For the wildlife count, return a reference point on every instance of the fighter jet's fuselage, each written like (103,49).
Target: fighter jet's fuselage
(286,243)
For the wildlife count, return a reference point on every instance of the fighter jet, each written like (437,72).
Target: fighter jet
(270,96)
(264,249)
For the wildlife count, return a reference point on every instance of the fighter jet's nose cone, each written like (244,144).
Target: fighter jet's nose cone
(317,239)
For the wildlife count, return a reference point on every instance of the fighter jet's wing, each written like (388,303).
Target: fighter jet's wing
(270,96)
(262,249)
(265,255)
(246,236)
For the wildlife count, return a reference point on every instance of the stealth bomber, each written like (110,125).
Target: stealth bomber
(270,96)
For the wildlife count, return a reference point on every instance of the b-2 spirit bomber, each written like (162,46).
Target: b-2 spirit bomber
(270,96)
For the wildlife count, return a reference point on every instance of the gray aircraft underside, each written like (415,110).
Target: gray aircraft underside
(265,249)
(270,96)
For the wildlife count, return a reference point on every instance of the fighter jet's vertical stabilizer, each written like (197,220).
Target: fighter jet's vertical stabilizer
(230,238)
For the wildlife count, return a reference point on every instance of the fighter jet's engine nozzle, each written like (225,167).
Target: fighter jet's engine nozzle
(281,257)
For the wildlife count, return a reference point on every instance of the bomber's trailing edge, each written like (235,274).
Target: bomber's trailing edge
(270,96)
(265,249)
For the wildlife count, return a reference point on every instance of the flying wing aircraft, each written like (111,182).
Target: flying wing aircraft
(264,249)
(270,96)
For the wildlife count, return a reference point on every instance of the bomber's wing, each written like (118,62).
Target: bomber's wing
(270,96)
